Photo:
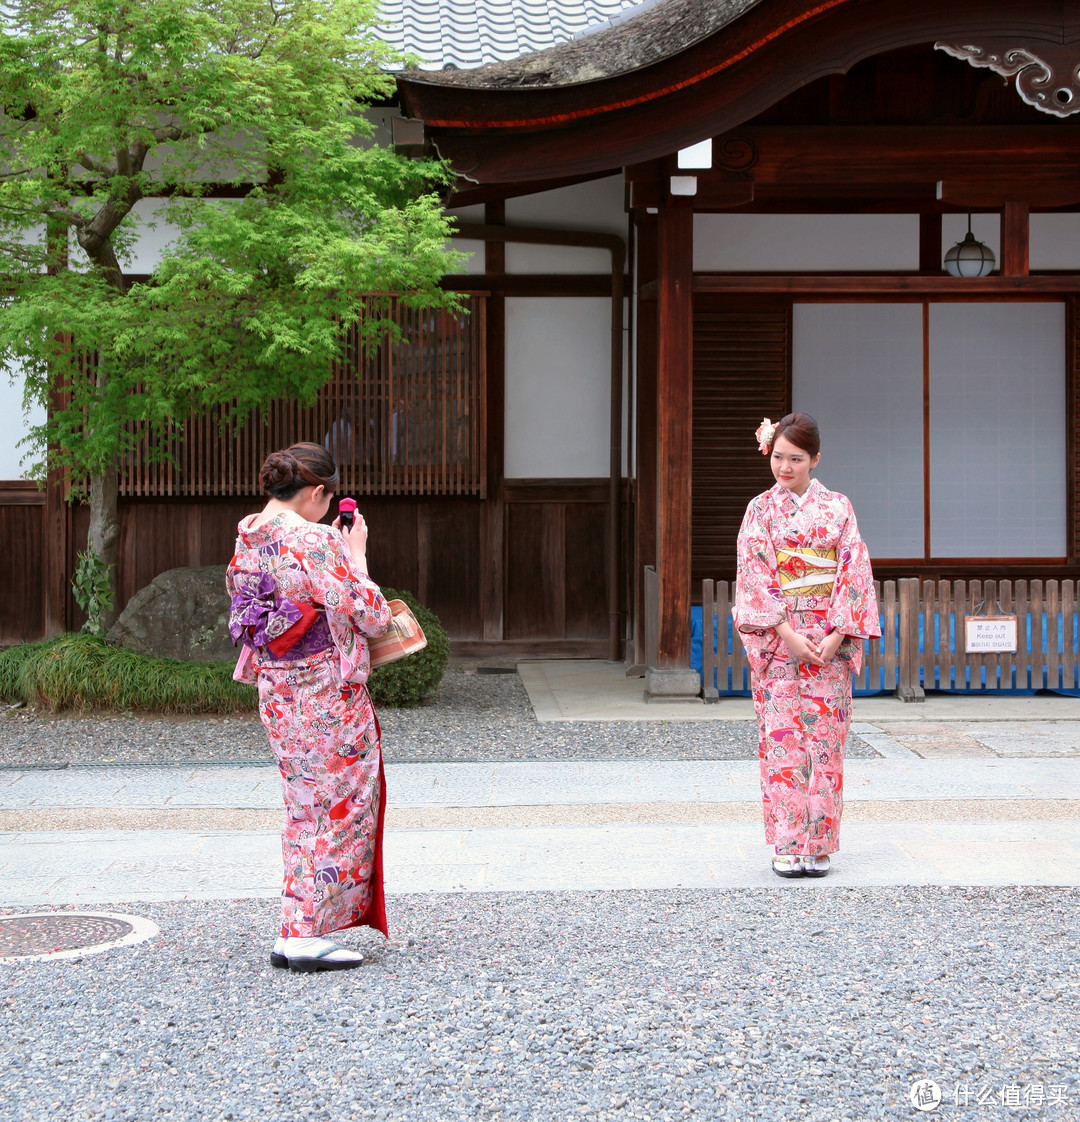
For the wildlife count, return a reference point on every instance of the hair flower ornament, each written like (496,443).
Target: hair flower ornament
(764,435)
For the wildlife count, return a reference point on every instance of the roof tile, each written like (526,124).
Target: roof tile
(461,34)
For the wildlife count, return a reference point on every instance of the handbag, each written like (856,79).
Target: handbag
(403,637)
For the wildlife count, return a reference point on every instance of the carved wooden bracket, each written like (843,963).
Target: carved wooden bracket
(1046,75)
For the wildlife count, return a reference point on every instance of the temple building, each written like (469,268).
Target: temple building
(686,217)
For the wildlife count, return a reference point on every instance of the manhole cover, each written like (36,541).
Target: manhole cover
(47,935)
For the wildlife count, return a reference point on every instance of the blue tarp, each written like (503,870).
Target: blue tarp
(1025,687)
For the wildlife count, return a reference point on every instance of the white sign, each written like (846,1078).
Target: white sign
(989,634)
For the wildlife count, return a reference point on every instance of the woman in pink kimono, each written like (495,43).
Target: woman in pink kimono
(804,603)
(304,608)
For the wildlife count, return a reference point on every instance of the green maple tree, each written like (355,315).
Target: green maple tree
(106,103)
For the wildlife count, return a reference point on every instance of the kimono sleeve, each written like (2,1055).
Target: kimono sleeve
(853,609)
(352,599)
(758,600)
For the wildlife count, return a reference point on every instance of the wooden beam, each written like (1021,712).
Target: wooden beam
(533,284)
(897,154)
(994,190)
(873,285)
(675,232)
(831,198)
(1014,239)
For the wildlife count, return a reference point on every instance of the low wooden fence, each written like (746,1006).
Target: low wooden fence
(922,644)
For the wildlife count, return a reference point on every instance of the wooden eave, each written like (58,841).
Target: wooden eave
(501,135)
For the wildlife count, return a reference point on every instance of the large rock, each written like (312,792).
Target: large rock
(181,613)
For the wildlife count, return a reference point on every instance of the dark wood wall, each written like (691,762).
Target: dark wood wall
(553,571)
(22,592)
(742,374)
(556,556)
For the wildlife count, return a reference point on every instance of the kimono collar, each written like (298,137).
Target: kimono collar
(788,502)
(270,529)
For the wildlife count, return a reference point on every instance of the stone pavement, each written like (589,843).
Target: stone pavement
(100,834)
(527,979)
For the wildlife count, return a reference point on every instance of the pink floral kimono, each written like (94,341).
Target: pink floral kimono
(801,558)
(305,612)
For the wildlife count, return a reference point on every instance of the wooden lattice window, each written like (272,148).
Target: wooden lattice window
(400,418)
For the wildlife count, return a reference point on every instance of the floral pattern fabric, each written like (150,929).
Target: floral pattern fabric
(803,710)
(322,729)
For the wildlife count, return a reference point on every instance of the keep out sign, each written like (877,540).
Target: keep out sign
(989,634)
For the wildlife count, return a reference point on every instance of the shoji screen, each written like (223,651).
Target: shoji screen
(858,369)
(997,430)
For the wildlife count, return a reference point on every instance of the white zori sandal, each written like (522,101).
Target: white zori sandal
(787,865)
(306,955)
(815,866)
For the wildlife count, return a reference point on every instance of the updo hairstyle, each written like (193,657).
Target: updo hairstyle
(801,430)
(298,466)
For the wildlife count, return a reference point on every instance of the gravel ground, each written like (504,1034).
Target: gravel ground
(762,1004)
(473,717)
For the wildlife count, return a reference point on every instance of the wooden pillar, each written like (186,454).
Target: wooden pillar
(1072,414)
(672,678)
(645,439)
(930,254)
(493,522)
(1014,239)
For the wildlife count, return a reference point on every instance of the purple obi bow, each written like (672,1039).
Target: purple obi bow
(256,614)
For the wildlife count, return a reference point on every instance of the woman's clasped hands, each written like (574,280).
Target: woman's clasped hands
(810,650)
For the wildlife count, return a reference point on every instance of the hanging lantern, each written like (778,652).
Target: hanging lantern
(970,258)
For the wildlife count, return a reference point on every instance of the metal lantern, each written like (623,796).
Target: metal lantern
(970,258)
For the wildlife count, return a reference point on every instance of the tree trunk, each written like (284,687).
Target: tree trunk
(104,534)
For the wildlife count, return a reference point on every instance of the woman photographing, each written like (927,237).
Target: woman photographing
(804,603)
(304,608)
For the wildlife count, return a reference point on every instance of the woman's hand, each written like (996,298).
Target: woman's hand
(355,539)
(828,646)
(804,649)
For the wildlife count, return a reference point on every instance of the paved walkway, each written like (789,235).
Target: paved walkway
(591,690)
(96,835)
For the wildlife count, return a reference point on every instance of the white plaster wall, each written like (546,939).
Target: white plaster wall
(997,430)
(596,206)
(785,243)
(558,365)
(986,227)
(14,423)
(1055,241)
(475,264)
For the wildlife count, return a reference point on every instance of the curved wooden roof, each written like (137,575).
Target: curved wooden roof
(508,123)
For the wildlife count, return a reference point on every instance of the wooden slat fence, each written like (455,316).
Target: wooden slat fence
(400,417)
(1046,627)
(725,671)
(922,641)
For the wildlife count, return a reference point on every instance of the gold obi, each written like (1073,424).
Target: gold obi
(806,572)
